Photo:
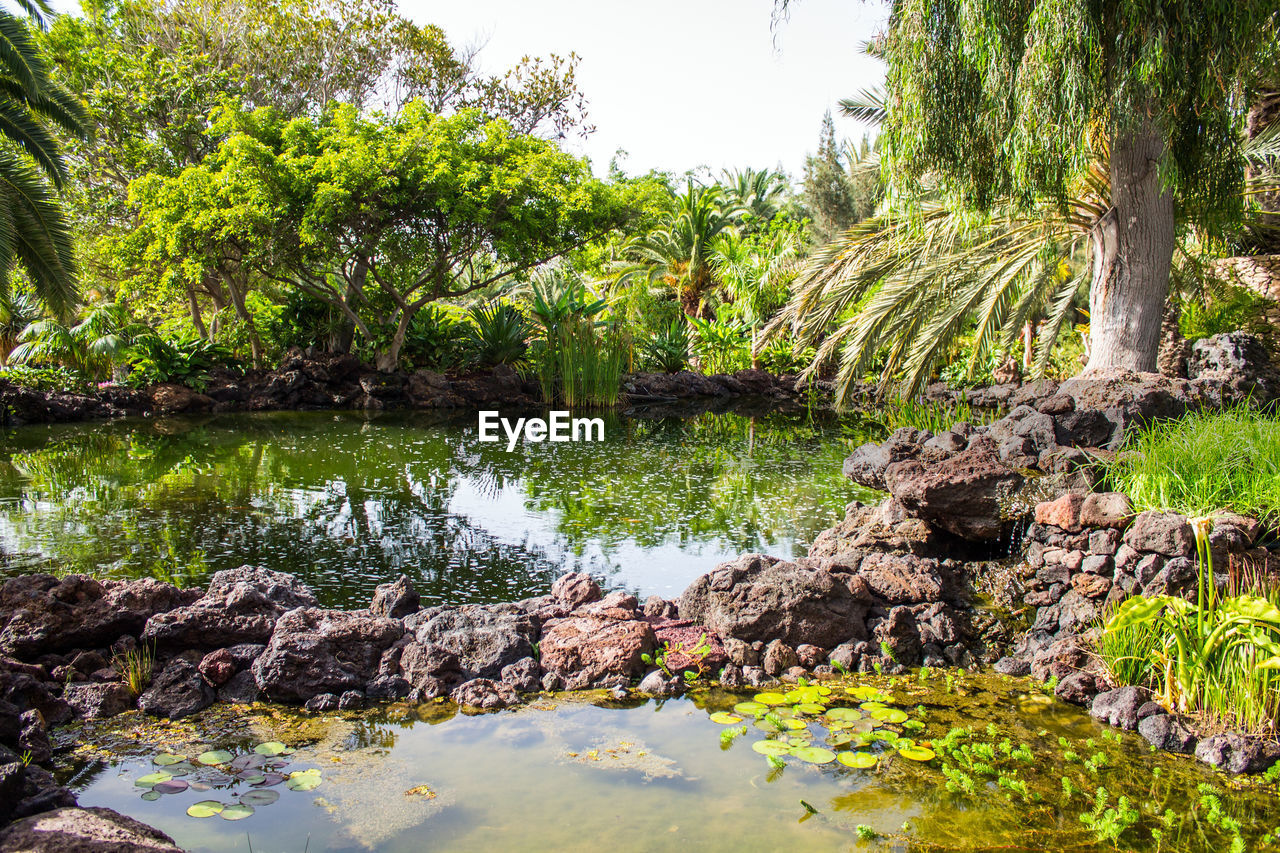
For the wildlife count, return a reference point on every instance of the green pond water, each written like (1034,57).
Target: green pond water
(348,501)
(586,773)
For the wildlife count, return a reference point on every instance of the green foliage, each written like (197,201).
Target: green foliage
(934,416)
(1218,658)
(841,184)
(135,667)
(1204,462)
(93,346)
(437,339)
(581,365)
(498,334)
(667,350)
(721,346)
(184,359)
(1009,100)
(1129,651)
(1238,309)
(1109,823)
(58,378)
(34,233)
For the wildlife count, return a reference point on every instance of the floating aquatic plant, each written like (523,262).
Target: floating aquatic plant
(261,769)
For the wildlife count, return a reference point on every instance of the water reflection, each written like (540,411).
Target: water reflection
(349,501)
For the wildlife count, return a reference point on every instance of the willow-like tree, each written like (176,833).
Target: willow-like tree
(1012,99)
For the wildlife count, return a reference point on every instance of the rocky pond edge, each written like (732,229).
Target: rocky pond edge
(991,548)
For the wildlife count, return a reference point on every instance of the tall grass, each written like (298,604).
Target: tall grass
(1216,659)
(1204,462)
(581,366)
(135,667)
(932,415)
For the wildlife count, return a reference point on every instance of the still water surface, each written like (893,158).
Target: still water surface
(348,501)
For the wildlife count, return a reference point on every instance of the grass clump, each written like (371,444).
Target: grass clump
(1203,463)
(135,668)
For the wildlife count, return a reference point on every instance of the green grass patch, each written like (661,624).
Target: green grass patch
(1204,462)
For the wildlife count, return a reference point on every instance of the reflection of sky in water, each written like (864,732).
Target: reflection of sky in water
(348,503)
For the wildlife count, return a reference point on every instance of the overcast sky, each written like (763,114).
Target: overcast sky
(680,84)
(683,83)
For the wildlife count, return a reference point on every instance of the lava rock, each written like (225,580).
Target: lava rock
(658,683)
(178,691)
(42,614)
(483,694)
(586,650)
(1165,533)
(1235,753)
(241,606)
(484,638)
(576,589)
(1119,707)
(316,651)
(96,701)
(76,830)
(962,494)
(1063,512)
(1106,509)
(395,600)
(524,676)
(1164,731)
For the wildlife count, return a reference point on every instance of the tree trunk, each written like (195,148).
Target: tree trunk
(389,359)
(242,311)
(1132,254)
(197,320)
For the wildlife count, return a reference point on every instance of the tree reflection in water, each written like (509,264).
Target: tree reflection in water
(348,501)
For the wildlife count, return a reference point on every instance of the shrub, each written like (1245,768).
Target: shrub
(577,365)
(721,346)
(185,359)
(62,379)
(1203,463)
(1216,658)
(437,339)
(667,351)
(1239,309)
(498,334)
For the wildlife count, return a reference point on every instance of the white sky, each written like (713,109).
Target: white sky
(685,83)
(680,84)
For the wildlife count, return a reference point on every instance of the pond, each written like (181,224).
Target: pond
(584,773)
(348,501)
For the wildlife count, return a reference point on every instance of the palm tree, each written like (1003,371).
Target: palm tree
(679,254)
(756,274)
(759,193)
(98,343)
(33,229)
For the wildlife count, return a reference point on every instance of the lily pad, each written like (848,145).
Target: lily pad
(814,754)
(152,779)
(236,811)
(917,753)
(150,796)
(252,777)
(889,715)
(260,797)
(794,725)
(865,691)
(165,759)
(751,709)
(843,714)
(771,699)
(724,718)
(244,762)
(205,808)
(271,747)
(214,756)
(173,786)
(858,760)
(840,738)
(810,708)
(303,780)
(771,747)
(269,779)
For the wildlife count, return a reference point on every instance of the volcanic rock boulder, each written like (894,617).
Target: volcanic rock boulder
(963,494)
(316,651)
(42,614)
(395,600)
(75,830)
(178,691)
(587,651)
(758,598)
(484,638)
(241,606)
